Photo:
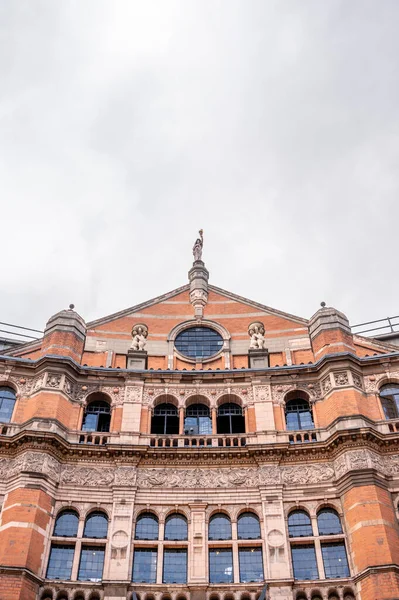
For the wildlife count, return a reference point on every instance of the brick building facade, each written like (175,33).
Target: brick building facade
(224,446)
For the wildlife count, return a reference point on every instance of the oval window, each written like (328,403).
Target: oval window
(199,342)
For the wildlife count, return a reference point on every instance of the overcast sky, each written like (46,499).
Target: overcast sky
(125,126)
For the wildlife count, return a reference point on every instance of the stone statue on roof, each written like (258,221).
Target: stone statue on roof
(197,248)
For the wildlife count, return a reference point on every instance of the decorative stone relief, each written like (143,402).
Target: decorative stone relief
(313,389)
(360,459)
(116,393)
(262,393)
(326,384)
(256,331)
(308,473)
(357,380)
(53,380)
(125,476)
(269,474)
(68,386)
(341,378)
(139,335)
(32,462)
(133,393)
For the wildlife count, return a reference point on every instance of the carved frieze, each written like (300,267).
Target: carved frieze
(308,473)
(357,380)
(53,380)
(326,384)
(341,378)
(313,389)
(262,393)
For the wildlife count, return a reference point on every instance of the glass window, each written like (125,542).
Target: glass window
(97,416)
(96,525)
(328,522)
(299,524)
(66,524)
(230,419)
(147,527)
(248,527)
(197,421)
(220,565)
(199,342)
(165,420)
(91,563)
(175,565)
(251,564)
(335,560)
(176,528)
(7,402)
(389,395)
(298,415)
(60,562)
(304,562)
(219,527)
(145,565)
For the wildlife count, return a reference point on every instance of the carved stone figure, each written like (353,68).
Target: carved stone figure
(139,334)
(197,248)
(257,333)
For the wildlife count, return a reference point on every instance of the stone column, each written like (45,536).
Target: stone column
(198,546)
(198,277)
(214,420)
(181,420)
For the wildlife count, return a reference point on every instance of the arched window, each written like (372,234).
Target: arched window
(199,342)
(7,402)
(176,528)
(248,527)
(299,524)
(96,525)
(389,395)
(66,524)
(197,421)
(298,415)
(165,419)
(97,416)
(230,419)
(219,527)
(328,522)
(146,527)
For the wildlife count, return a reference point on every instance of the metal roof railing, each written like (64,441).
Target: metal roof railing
(14,335)
(382,327)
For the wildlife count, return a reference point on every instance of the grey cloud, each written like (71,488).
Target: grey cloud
(124,127)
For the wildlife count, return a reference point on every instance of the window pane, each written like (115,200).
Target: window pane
(91,563)
(298,415)
(304,562)
(251,564)
(328,522)
(248,527)
(335,560)
(220,565)
(96,526)
(199,342)
(389,395)
(145,565)
(7,402)
(147,527)
(299,524)
(89,422)
(175,566)
(66,524)
(176,528)
(219,528)
(60,562)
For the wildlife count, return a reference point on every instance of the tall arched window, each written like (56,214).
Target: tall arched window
(299,524)
(176,527)
(328,522)
(230,418)
(248,527)
(66,524)
(197,421)
(298,414)
(165,419)
(146,527)
(97,415)
(219,527)
(7,402)
(389,395)
(96,525)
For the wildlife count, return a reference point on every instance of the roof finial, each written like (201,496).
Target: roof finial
(71,306)
(197,248)
(322,304)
